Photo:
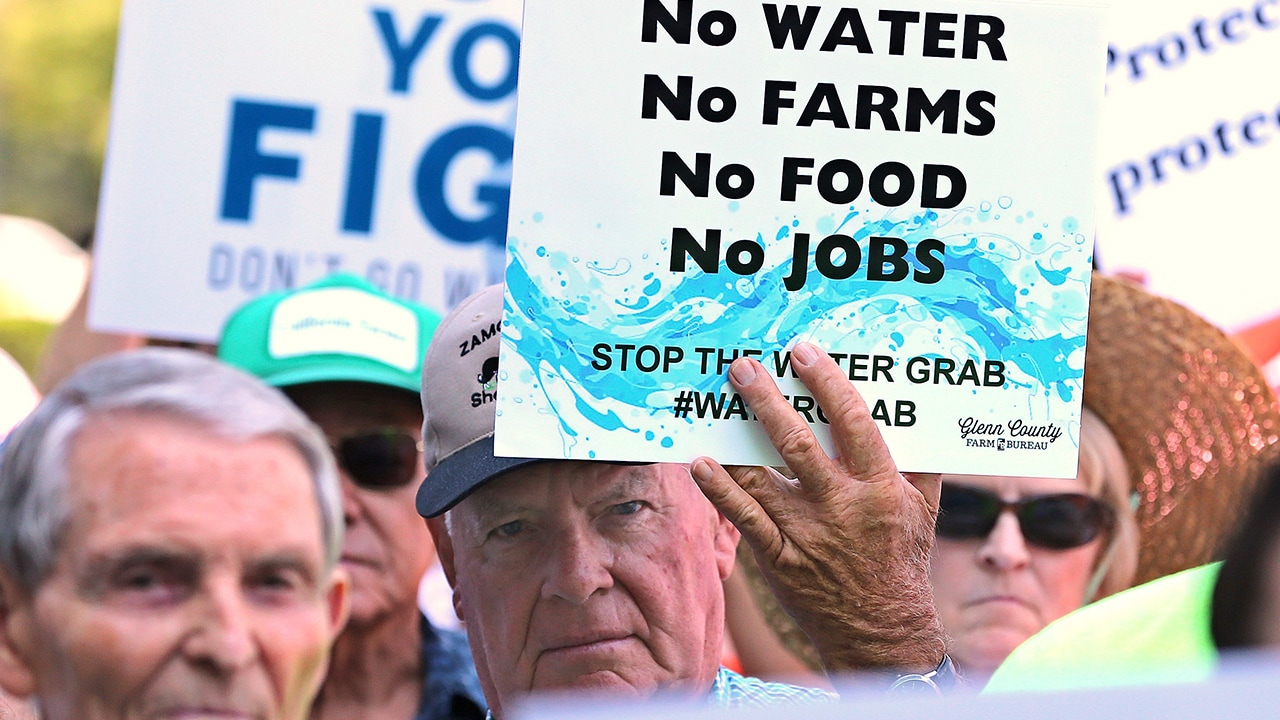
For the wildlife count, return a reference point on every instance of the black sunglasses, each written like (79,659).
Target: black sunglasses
(1057,522)
(380,460)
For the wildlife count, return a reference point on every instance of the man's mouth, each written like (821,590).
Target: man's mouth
(587,644)
(1001,599)
(207,713)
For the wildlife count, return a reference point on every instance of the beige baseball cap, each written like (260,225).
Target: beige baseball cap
(459,398)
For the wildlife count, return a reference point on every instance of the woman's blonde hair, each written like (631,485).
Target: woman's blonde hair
(1106,475)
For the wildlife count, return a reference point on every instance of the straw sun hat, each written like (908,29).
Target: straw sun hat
(1193,417)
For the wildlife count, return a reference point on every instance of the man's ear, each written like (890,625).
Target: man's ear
(444,550)
(726,545)
(339,599)
(17,635)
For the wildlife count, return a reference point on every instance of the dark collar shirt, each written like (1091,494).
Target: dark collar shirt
(451,688)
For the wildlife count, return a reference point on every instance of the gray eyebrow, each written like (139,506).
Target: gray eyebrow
(488,509)
(630,483)
(635,480)
(93,575)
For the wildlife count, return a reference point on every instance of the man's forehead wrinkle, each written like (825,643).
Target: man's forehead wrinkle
(611,483)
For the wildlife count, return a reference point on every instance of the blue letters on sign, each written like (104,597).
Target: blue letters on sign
(462,61)
(245,162)
(362,177)
(405,41)
(433,167)
(404,56)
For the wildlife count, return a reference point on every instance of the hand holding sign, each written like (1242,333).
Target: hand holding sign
(845,546)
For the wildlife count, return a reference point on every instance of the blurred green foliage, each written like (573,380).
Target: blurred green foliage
(56,59)
(25,341)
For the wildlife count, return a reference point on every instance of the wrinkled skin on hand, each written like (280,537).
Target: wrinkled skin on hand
(845,545)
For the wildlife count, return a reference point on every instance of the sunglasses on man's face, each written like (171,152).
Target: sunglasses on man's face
(380,460)
(1057,522)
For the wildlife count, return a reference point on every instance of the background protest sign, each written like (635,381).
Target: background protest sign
(256,146)
(1189,152)
(912,189)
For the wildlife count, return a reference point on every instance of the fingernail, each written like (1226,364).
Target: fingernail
(743,371)
(804,354)
(701,470)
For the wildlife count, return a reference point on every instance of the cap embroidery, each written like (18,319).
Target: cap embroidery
(344,321)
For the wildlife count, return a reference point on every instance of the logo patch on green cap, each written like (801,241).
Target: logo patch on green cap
(344,321)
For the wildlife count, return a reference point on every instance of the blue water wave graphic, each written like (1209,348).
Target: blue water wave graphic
(1017,297)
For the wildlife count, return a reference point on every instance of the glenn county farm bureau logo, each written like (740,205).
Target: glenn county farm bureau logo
(1012,435)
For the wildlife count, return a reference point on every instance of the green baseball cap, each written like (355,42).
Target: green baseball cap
(341,328)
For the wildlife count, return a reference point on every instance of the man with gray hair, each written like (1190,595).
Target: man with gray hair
(606,577)
(169,535)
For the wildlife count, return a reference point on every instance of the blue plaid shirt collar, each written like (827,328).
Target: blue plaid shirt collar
(730,690)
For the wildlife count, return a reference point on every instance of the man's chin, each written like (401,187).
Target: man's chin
(551,694)
(605,682)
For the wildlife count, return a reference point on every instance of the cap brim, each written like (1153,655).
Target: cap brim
(458,475)
(337,372)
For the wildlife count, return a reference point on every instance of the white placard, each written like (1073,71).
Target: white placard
(1190,152)
(911,188)
(257,146)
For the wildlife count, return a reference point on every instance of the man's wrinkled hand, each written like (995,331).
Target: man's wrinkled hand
(845,544)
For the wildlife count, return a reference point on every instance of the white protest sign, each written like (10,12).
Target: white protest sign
(909,187)
(257,146)
(1189,151)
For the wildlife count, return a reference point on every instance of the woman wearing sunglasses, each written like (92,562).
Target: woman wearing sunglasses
(1014,553)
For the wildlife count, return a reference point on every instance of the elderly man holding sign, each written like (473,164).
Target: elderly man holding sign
(607,577)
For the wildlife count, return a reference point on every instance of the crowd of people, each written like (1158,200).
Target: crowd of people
(243,533)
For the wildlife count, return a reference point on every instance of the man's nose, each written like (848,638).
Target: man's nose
(579,565)
(351,506)
(222,634)
(1005,548)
